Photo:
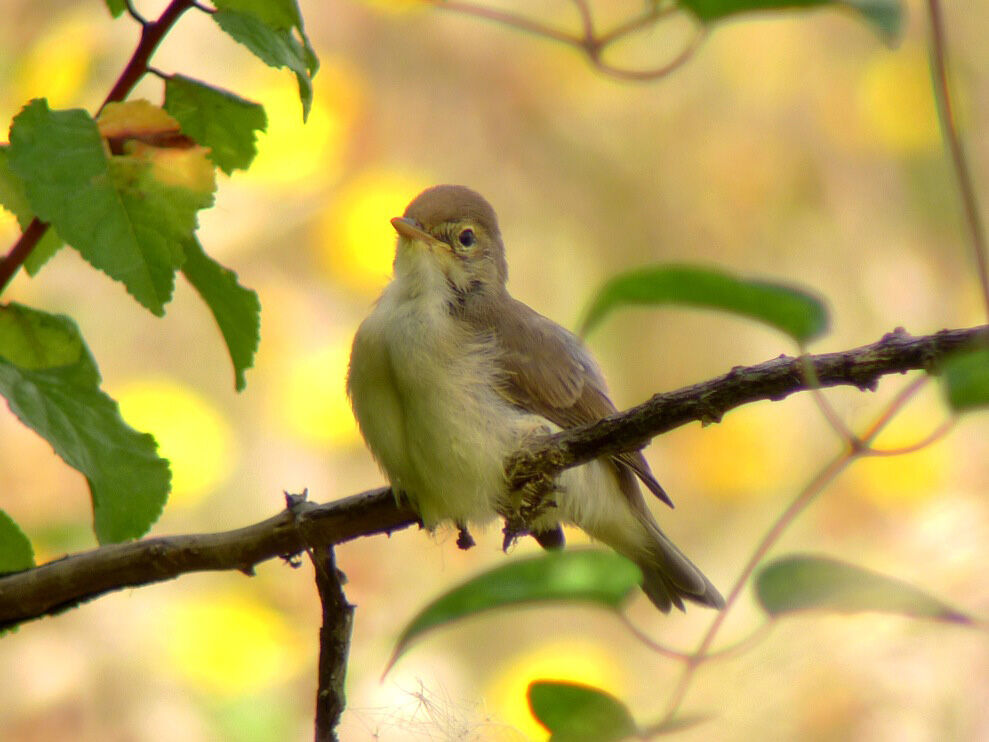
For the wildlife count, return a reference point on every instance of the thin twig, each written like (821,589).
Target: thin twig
(588,41)
(654,73)
(800,503)
(952,140)
(508,19)
(334,643)
(933,437)
(21,249)
(152,34)
(132,12)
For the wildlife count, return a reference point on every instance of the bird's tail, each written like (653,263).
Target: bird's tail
(671,578)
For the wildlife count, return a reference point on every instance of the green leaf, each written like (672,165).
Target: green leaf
(52,384)
(572,712)
(15,548)
(797,583)
(273,31)
(601,577)
(886,17)
(965,378)
(120,218)
(792,310)
(116,7)
(237,310)
(217,119)
(14,199)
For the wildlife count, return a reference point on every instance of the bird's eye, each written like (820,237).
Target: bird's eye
(466,237)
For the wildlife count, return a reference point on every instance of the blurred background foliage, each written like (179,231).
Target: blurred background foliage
(793,147)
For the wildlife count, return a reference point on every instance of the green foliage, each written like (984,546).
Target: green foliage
(886,17)
(965,379)
(576,575)
(572,712)
(274,33)
(798,583)
(218,119)
(237,310)
(791,310)
(15,548)
(14,199)
(116,7)
(121,218)
(52,384)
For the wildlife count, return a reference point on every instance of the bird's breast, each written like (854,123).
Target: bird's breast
(422,386)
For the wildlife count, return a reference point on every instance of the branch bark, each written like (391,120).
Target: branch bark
(54,587)
(334,643)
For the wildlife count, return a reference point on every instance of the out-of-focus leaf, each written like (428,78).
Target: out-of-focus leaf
(573,712)
(51,384)
(273,31)
(884,16)
(15,548)
(797,583)
(576,575)
(965,377)
(218,119)
(794,311)
(116,7)
(237,310)
(14,199)
(126,214)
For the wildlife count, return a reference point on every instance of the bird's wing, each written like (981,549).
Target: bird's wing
(547,370)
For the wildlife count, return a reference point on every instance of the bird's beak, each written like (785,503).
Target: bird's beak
(411,231)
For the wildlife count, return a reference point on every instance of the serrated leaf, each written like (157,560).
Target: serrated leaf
(51,384)
(573,712)
(794,311)
(885,17)
(236,309)
(798,583)
(273,32)
(218,119)
(576,575)
(16,552)
(117,212)
(965,379)
(14,199)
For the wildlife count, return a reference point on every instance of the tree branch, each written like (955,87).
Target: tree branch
(57,586)
(65,583)
(334,643)
(707,402)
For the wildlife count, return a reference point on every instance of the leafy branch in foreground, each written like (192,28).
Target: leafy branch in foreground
(123,188)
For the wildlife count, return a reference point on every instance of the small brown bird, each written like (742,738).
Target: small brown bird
(449,375)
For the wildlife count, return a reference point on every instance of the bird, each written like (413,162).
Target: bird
(449,375)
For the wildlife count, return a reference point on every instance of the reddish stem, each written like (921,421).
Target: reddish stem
(151,36)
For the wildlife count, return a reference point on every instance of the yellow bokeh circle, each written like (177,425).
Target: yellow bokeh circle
(354,238)
(312,404)
(910,479)
(575,661)
(191,432)
(897,103)
(228,645)
(742,458)
(311,153)
(57,66)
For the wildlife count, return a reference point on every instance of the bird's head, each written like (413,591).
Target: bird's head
(453,229)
